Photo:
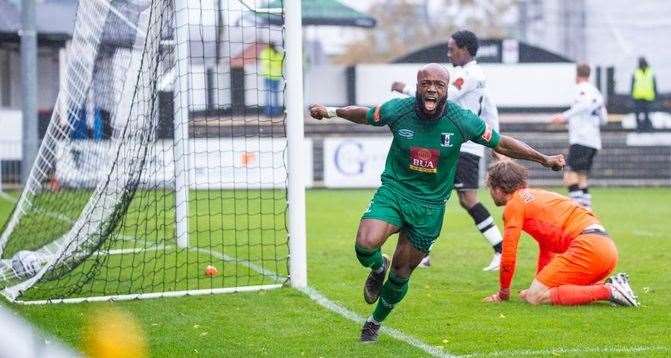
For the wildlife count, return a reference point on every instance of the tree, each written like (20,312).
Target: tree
(407,25)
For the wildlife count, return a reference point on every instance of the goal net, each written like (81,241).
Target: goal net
(163,171)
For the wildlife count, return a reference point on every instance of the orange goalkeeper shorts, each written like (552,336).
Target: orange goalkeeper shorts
(589,259)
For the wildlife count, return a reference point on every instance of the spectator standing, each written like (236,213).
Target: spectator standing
(271,69)
(643,92)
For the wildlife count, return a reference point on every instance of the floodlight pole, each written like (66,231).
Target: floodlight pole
(28,87)
(294,121)
(181,123)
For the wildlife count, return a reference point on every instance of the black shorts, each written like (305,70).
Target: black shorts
(580,158)
(468,172)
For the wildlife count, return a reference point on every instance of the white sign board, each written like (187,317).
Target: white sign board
(221,163)
(10,135)
(354,162)
(510,85)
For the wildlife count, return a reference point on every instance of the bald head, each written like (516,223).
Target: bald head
(433,70)
(432,80)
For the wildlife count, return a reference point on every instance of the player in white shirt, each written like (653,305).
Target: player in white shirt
(584,118)
(469,91)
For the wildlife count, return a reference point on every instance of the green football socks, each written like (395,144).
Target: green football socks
(393,292)
(369,258)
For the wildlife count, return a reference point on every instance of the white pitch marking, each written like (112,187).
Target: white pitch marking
(394,333)
(547,352)
(325,302)
(312,293)
(136,250)
(7,197)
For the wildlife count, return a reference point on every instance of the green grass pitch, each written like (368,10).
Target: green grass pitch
(443,307)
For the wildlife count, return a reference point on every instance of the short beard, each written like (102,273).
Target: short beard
(419,107)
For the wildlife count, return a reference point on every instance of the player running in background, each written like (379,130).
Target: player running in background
(417,180)
(576,254)
(468,90)
(585,116)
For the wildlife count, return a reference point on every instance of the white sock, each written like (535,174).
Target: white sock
(575,195)
(493,235)
(586,200)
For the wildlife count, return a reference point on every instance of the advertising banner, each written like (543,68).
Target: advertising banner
(219,163)
(354,162)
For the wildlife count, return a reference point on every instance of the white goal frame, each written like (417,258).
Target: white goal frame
(297,274)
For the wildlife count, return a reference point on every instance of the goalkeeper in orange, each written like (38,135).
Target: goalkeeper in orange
(576,254)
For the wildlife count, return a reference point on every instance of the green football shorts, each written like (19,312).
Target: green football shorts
(422,221)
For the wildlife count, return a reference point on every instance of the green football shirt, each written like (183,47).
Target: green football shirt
(422,160)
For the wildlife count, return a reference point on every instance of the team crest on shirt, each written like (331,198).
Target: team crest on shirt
(424,160)
(459,82)
(445,139)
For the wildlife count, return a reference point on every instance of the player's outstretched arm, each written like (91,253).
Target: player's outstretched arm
(517,149)
(354,114)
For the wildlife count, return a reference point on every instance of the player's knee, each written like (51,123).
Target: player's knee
(401,271)
(366,241)
(462,202)
(367,238)
(570,179)
(532,299)
(535,297)
(467,199)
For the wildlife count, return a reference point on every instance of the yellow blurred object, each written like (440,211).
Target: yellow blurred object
(111,332)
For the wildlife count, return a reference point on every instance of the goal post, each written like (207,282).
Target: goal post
(150,182)
(295,108)
(181,123)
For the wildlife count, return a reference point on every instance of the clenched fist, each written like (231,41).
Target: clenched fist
(556,162)
(318,111)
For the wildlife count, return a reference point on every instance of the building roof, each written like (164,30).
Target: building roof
(323,12)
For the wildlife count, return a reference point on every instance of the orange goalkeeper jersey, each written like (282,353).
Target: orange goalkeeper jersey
(551,219)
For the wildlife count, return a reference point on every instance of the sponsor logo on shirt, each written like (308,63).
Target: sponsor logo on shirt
(445,139)
(487,134)
(406,133)
(459,82)
(424,160)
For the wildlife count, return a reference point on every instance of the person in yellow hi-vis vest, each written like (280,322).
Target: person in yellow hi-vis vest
(271,69)
(643,92)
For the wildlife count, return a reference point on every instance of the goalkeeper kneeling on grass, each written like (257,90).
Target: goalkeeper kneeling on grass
(576,253)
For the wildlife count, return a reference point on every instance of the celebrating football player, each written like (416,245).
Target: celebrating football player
(428,132)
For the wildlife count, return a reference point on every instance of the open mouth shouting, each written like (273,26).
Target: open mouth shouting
(430,103)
